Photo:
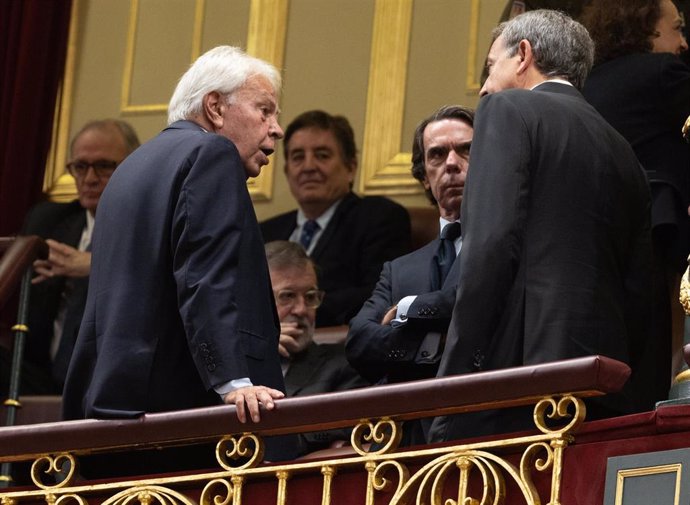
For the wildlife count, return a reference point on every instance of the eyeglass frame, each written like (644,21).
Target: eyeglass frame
(310,305)
(99,168)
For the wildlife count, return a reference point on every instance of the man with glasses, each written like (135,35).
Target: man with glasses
(308,368)
(59,292)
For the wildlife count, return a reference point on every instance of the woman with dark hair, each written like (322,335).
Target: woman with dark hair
(642,88)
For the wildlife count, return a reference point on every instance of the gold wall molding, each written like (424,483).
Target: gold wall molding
(56,182)
(473,85)
(386,170)
(126,107)
(676,469)
(265,39)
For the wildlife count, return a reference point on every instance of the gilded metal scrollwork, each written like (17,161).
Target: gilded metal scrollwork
(217,492)
(686,129)
(247,448)
(557,409)
(148,495)
(61,468)
(386,433)
(428,484)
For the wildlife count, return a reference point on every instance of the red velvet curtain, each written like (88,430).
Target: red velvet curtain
(33,43)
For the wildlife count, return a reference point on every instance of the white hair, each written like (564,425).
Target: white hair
(223,69)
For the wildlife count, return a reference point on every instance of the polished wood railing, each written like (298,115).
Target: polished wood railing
(16,256)
(527,465)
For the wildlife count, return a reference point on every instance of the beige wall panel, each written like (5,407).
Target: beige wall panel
(328,48)
(164,43)
(326,67)
(225,23)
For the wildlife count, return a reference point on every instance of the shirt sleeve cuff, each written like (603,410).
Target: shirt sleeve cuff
(401,313)
(233,385)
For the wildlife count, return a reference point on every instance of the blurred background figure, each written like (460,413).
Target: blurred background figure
(642,88)
(347,236)
(58,295)
(308,368)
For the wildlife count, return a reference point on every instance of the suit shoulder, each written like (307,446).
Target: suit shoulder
(45,216)
(278,227)
(373,206)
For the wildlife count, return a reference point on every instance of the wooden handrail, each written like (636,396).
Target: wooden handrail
(583,377)
(19,253)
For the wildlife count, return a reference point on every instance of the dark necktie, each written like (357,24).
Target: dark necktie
(445,255)
(309,229)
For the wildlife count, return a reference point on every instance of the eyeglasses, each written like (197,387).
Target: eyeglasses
(287,298)
(102,168)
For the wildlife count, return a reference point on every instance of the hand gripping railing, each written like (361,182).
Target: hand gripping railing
(15,268)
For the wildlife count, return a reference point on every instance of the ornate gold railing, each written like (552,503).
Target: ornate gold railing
(519,469)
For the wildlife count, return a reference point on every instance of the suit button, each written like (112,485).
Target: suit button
(425,354)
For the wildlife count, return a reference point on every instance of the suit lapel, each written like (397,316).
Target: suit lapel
(70,230)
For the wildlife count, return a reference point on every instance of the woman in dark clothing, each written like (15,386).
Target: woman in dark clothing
(640,85)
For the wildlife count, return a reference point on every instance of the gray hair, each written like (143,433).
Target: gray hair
(561,46)
(126,131)
(283,254)
(223,69)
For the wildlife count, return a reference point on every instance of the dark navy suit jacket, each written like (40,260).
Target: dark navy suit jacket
(397,353)
(179,298)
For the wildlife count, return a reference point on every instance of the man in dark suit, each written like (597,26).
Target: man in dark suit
(58,294)
(180,312)
(556,243)
(308,368)
(348,237)
(397,334)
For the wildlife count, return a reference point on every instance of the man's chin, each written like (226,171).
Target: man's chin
(252,169)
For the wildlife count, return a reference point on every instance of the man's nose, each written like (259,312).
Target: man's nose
(299,307)
(276,131)
(90,175)
(454,161)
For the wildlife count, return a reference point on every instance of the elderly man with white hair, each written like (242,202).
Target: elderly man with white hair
(179,312)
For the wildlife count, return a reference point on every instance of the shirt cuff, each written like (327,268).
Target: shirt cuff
(233,385)
(403,308)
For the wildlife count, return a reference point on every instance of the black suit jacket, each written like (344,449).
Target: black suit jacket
(406,352)
(556,251)
(646,97)
(321,369)
(63,222)
(361,235)
(179,297)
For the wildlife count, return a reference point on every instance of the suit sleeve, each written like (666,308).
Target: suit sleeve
(494,211)
(375,350)
(206,240)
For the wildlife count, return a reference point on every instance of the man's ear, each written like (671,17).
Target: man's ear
(214,105)
(526,56)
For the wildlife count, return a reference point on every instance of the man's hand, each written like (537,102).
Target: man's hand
(390,315)
(249,398)
(289,338)
(63,260)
